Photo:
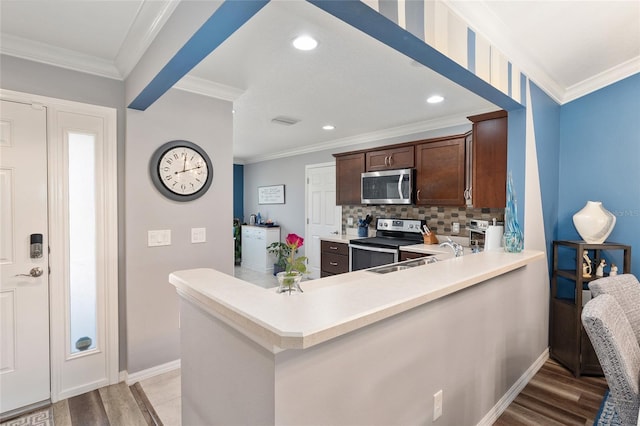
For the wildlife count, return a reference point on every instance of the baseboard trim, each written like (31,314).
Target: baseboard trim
(150,372)
(502,404)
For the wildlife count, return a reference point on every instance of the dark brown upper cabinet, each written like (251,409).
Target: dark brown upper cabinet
(400,157)
(349,167)
(489,160)
(440,172)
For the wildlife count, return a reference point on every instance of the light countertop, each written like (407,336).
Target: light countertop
(336,305)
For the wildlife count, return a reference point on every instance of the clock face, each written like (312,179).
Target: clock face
(181,170)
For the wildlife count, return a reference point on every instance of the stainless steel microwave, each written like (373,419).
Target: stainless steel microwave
(387,187)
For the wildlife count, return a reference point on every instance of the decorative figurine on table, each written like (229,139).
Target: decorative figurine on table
(614,270)
(586,265)
(600,268)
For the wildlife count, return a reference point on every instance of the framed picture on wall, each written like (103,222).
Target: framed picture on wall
(273,194)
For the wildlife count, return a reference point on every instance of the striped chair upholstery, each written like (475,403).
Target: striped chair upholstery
(618,352)
(626,290)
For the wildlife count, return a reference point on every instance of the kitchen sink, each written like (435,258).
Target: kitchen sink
(401,266)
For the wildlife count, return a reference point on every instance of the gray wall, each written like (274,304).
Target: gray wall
(290,171)
(152,304)
(148,308)
(46,80)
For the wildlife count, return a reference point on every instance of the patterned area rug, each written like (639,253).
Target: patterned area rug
(37,418)
(607,415)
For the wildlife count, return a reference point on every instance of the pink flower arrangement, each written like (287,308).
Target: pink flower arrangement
(292,263)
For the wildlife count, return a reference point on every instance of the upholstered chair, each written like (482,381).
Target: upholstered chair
(626,290)
(618,352)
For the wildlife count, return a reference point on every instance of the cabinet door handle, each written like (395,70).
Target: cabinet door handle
(386,161)
(333,263)
(390,160)
(333,248)
(418,195)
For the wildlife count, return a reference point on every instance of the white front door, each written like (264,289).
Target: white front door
(324,218)
(24,285)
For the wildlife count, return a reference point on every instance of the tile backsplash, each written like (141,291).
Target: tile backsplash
(439,219)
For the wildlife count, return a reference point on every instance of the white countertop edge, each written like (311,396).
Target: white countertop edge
(242,305)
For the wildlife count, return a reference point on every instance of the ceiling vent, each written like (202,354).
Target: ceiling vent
(285,121)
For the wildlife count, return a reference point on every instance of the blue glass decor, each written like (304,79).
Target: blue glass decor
(513,236)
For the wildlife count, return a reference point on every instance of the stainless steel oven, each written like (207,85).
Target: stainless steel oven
(384,248)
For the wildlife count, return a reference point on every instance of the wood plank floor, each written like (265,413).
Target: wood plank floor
(552,397)
(555,397)
(114,405)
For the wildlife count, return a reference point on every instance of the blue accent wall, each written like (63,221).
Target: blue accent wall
(600,161)
(516,151)
(238,192)
(546,123)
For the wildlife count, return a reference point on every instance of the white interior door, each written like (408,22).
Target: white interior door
(24,289)
(324,218)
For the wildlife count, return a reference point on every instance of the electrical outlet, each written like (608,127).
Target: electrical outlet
(455,227)
(349,221)
(437,405)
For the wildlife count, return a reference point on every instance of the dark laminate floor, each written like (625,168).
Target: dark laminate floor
(552,397)
(555,397)
(115,405)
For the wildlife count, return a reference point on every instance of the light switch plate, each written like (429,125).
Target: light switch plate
(198,235)
(158,238)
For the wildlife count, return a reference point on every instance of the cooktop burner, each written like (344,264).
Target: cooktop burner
(394,233)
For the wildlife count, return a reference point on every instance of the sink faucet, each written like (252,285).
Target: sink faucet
(457,248)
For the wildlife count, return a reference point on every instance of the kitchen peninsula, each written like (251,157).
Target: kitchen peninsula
(361,347)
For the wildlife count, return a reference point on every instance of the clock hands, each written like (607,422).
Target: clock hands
(188,170)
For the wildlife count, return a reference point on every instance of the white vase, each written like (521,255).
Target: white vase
(594,223)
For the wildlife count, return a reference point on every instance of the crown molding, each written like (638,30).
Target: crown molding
(147,24)
(483,21)
(605,78)
(379,135)
(56,56)
(209,88)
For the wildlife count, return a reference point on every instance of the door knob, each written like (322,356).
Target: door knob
(33,273)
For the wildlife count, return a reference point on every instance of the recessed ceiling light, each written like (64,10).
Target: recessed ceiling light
(435,99)
(328,127)
(305,43)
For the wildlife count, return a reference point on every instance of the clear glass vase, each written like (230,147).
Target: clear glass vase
(513,238)
(289,282)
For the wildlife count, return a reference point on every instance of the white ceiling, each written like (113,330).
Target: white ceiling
(364,88)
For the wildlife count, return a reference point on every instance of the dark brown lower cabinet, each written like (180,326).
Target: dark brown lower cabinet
(408,255)
(334,258)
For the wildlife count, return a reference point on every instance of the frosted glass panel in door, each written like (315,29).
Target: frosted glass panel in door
(82,242)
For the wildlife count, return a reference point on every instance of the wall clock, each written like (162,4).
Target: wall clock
(181,170)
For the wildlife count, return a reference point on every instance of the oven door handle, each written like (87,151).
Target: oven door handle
(370,248)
